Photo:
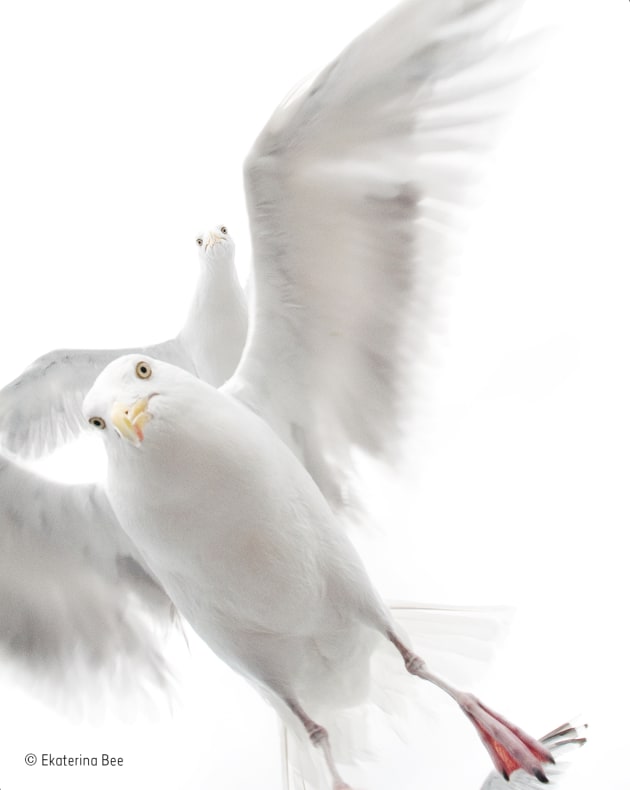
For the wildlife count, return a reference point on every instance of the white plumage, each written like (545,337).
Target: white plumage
(76,589)
(248,549)
(41,409)
(356,189)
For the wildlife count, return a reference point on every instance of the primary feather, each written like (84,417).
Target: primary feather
(355,191)
(76,597)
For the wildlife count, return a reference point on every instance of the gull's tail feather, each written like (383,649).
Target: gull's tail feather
(447,637)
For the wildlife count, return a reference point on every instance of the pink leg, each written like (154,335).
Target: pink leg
(510,748)
(319,737)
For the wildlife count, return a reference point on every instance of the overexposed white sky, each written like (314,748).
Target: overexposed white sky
(125,126)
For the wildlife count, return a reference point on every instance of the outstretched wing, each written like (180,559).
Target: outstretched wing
(355,191)
(41,409)
(562,740)
(74,591)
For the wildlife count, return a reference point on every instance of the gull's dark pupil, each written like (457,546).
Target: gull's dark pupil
(143,370)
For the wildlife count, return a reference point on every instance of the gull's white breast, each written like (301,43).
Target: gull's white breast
(242,539)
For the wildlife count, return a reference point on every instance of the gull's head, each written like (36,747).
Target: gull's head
(216,245)
(123,399)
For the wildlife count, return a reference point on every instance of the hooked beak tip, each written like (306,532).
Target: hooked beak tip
(129,421)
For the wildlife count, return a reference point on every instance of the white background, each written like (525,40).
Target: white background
(124,127)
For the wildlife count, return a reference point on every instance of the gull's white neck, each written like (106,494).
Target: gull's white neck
(216,326)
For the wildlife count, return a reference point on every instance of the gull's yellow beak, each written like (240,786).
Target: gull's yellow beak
(130,420)
(213,238)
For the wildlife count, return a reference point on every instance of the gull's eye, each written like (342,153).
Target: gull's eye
(223,230)
(97,422)
(199,241)
(143,370)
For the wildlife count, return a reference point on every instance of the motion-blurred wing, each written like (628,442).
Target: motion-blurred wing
(70,628)
(41,409)
(355,190)
(74,593)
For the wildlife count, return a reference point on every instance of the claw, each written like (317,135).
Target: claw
(510,748)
